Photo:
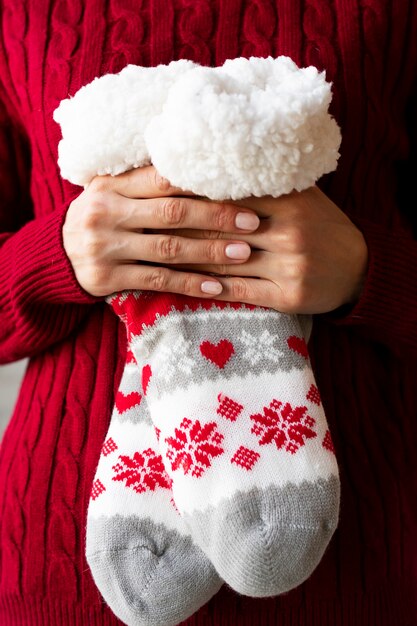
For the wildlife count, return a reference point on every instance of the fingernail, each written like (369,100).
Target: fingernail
(211,287)
(247,221)
(237,251)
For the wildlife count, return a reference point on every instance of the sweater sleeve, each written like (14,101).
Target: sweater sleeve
(387,308)
(40,299)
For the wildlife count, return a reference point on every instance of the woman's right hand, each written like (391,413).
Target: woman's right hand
(105,236)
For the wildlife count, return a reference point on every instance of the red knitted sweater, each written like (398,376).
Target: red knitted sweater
(365,362)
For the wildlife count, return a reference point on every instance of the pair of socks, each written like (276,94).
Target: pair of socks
(218,464)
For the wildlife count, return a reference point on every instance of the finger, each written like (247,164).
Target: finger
(260,238)
(258,292)
(267,206)
(256,266)
(133,277)
(182,213)
(140,182)
(167,249)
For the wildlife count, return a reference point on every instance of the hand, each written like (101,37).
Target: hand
(105,236)
(307,256)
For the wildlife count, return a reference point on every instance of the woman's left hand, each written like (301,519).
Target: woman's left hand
(307,256)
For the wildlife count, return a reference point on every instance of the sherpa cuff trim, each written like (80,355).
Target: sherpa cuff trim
(252,127)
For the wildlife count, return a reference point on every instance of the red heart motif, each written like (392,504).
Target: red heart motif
(124,403)
(298,345)
(219,354)
(146,376)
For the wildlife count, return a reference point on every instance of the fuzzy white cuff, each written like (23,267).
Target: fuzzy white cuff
(252,127)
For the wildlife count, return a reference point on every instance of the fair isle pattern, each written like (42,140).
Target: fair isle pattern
(97,489)
(200,432)
(142,471)
(190,347)
(230,391)
(194,446)
(235,450)
(221,450)
(129,402)
(288,427)
(245,458)
(131,478)
(109,446)
(228,408)
(138,547)
(314,395)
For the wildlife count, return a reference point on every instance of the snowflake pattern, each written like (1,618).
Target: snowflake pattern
(314,395)
(328,442)
(258,348)
(286,426)
(228,408)
(245,458)
(194,446)
(109,446)
(97,489)
(173,359)
(144,471)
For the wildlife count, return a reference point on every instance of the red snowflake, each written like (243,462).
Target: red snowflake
(283,425)
(144,471)
(194,446)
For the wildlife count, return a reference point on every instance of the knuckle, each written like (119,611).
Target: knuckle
(97,279)
(158,280)
(296,239)
(296,299)
(303,269)
(168,248)
(240,289)
(212,251)
(291,301)
(173,211)
(221,217)
(95,213)
(298,270)
(222,270)
(187,285)
(159,182)
(213,234)
(99,184)
(93,246)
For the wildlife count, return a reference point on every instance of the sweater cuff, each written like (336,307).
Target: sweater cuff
(387,305)
(41,270)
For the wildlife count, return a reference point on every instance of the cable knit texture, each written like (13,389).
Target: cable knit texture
(365,359)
